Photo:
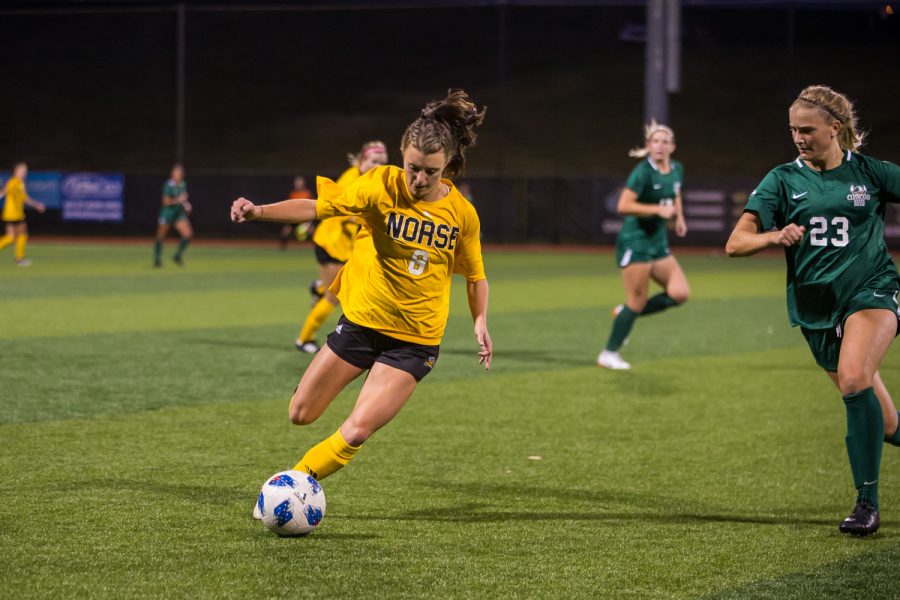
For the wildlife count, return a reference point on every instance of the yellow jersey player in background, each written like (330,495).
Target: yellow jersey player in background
(333,243)
(14,213)
(395,289)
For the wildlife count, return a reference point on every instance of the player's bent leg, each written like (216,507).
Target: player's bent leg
(184,229)
(384,393)
(867,337)
(888,411)
(323,380)
(668,274)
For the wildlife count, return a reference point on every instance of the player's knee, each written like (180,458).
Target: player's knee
(680,295)
(301,412)
(853,379)
(355,432)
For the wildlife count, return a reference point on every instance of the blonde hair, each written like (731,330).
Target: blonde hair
(649,129)
(447,125)
(836,107)
(356,159)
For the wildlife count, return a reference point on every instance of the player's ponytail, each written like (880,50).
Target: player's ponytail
(447,125)
(649,129)
(835,107)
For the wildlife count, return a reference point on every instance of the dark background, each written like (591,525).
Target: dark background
(292,88)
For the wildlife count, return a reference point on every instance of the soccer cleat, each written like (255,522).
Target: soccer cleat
(178,260)
(24,262)
(617,309)
(612,360)
(862,521)
(310,347)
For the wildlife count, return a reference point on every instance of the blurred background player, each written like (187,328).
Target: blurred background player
(333,242)
(175,210)
(14,213)
(827,210)
(300,191)
(651,197)
(395,291)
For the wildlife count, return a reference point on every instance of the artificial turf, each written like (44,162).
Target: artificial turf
(141,409)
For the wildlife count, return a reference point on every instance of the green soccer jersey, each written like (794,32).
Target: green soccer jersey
(173,190)
(651,187)
(843,250)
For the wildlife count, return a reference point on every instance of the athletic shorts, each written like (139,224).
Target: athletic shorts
(172,214)
(363,347)
(641,249)
(322,256)
(825,344)
(14,222)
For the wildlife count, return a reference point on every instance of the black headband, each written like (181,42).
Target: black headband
(823,107)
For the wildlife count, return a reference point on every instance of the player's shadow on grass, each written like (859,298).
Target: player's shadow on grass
(529,356)
(473,513)
(237,342)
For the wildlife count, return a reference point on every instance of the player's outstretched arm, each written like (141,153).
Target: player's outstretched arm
(746,239)
(478,302)
(288,211)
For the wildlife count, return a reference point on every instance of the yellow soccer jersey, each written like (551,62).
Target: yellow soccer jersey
(336,235)
(398,279)
(14,208)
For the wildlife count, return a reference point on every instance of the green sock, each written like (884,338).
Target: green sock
(894,439)
(865,439)
(157,251)
(659,302)
(621,328)
(181,246)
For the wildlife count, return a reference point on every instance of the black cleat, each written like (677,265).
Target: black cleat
(314,291)
(862,521)
(310,347)
(178,260)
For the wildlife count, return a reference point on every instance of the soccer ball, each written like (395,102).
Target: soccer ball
(291,503)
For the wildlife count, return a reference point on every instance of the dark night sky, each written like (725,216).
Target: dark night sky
(279,91)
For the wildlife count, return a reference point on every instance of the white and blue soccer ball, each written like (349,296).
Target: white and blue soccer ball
(291,503)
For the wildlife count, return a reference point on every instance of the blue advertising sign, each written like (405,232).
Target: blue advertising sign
(43,186)
(93,197)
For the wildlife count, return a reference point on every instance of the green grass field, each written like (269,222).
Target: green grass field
(141,409)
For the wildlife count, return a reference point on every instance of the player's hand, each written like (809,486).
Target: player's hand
(187,207)
(244,210)
(484,340)
(666,212)
(790,235)
(40,207)
(680,227)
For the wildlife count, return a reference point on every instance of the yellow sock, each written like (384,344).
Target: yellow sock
(327,456)
(314,320)
(21,242)
(5,241)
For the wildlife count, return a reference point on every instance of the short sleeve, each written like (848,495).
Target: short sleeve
(637,180)
(468,261)
(767,202)
(889,179)
(336,200)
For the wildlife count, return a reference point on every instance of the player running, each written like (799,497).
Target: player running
(14,213)
(652,196)
(333,243)
(395,291)
(826,208)
(175,210)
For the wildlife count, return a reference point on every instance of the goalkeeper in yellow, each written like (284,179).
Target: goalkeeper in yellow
(395,290)
(14,213)
(333,243)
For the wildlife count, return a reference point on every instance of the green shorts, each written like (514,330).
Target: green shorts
(171,214)
(825,344)
(641,249)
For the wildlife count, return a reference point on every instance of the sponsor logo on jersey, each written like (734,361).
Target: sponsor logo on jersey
(800,195)
(339,328)
(858,195)
(411,229)
(430,362)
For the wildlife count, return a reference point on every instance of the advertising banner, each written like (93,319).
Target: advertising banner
(93,197)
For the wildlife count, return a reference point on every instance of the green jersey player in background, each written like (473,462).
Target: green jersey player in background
(827,210)
(175,210)
(652,196)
